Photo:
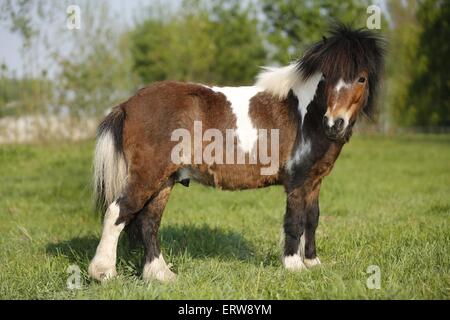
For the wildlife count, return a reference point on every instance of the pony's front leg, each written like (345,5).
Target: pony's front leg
(294,225)
(312,220)
(103,266)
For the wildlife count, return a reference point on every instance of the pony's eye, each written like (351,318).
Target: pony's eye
(362,80)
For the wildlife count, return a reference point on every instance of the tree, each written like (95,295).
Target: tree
(33,92)
(16,93)
(403,38)
(96,73)
(211,42)
(293,24)
(429,92)
(239,43)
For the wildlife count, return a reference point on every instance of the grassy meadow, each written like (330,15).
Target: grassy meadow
(386,203)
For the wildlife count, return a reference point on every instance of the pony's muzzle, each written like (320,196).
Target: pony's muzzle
(334,129)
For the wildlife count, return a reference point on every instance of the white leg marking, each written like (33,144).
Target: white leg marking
(312,262)
(103,266)
(301,246)
(294,263)
(158,269)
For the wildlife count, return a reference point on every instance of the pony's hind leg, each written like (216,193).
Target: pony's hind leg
(148,222)
(103,266)
(119,214)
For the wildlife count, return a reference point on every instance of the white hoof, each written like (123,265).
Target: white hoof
(312,262)
(158,270)
(294,263)
(101,271)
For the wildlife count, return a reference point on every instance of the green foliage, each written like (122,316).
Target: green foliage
(293,24)
(33,92)
(418,80)
(375,210)
(98,81)
(212,43)
(96,74)
(221,42)
(400,65)
(17,14)
(24,95)
(429,92)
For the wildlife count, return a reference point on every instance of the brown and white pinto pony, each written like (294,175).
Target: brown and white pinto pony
(313,103)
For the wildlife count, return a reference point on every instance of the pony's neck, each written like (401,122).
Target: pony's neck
(311,122)
(311,143)
(281,81)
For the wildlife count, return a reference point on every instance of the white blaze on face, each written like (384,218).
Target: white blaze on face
(341,85)
(239,98)
(345,116)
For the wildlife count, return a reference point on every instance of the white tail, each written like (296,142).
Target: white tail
(110,171)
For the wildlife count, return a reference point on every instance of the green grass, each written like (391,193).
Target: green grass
(386,203)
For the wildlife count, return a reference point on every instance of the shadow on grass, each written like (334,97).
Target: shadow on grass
(193,241)
(79,249)
(205,241)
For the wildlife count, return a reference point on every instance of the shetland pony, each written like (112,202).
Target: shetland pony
(311,104)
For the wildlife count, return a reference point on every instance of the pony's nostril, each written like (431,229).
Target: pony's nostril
(339,124)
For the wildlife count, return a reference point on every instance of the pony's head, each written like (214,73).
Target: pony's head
(350,62)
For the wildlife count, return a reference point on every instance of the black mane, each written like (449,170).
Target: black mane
(344,54)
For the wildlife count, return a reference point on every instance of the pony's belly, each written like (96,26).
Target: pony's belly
(228,177)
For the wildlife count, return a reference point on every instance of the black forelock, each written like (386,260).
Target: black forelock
(344,54)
